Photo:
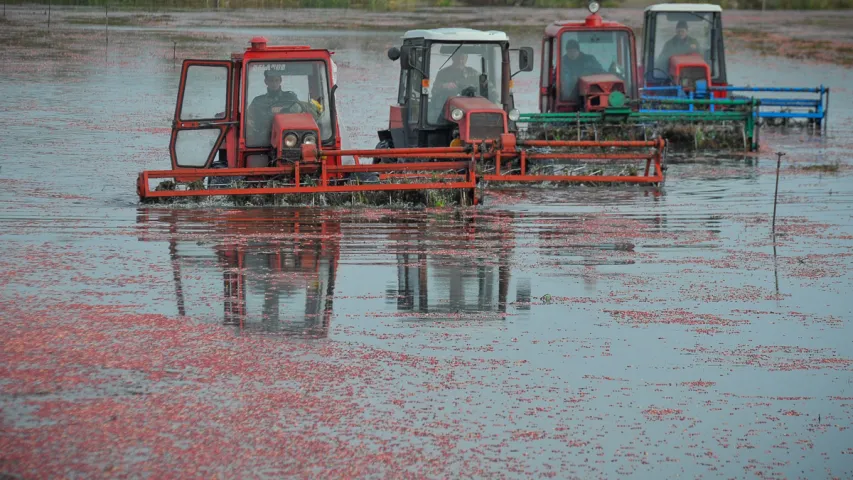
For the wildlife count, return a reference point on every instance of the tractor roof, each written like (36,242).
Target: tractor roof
(684,7)
(592,22)
(458,35)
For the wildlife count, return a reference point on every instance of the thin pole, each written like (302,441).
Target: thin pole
(107,21)
(779,156)
(48,14)
(775,267)
(174,53)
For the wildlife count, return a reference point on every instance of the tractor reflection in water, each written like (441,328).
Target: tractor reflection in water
(279,282)
(457,286)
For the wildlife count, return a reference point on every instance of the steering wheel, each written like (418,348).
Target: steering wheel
(470,91)
(668,76)
(287,106)
(617,70)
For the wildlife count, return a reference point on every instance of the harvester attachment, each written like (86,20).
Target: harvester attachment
(810,106)
(447,169)
(686,123)
(583,162)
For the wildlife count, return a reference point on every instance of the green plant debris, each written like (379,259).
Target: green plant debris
(823,167)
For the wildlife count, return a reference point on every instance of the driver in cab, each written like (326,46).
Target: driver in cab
(573,65)
(681,43)
(263,107)
(457,75)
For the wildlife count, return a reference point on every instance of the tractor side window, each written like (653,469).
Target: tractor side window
(547,65)
(592,53)
(547,74)
(205,93)
(415,80)
(404,82)
(290,87)
(193,147)
(681,33)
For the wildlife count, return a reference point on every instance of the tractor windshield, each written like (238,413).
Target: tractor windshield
(678,33)
(297,86)
(470,69)
(590,53)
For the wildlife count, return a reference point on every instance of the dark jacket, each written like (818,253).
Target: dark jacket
(260,113)
(465,76)
(572,70)
(677,46)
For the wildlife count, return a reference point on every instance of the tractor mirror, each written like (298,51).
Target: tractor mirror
(393,53)
(405,53)
(525,59)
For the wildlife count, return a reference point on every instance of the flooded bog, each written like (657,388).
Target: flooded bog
(565,332)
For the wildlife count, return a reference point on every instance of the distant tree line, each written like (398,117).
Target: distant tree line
(390,5)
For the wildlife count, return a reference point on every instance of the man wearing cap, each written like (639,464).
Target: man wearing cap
(573,65)
(680,44)
(260,112)
(457,75)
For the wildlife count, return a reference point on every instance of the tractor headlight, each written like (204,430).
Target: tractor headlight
(309,139)
(456,114)
(514,115)
(593,6)
(290,140)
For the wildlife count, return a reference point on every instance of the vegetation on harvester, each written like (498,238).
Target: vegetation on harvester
(679,135)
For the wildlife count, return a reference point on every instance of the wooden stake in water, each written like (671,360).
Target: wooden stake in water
(776,194)
(48,14)
(107,22)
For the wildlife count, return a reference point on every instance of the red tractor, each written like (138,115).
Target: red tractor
(264,122)
(587,66)
(266,283)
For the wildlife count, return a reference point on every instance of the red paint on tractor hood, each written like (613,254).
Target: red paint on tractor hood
(604,80)
(468,104)
(291,122)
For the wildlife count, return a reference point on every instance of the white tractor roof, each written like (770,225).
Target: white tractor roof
(684,7)
(458,35)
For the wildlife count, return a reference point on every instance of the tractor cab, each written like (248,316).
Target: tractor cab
(258,109)
(683,48)
(454,88)
(587,66)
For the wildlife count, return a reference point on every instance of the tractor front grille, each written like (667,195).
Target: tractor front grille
(291,154)
(485,126)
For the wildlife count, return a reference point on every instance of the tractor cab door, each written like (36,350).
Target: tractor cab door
(718,53)
(650,76)
(203,114)
(416,92)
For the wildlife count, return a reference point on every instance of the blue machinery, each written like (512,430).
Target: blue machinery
(813,108)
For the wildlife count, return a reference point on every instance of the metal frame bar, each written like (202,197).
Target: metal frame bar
(446,174)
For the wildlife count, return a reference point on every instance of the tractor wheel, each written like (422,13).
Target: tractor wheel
(383,145)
